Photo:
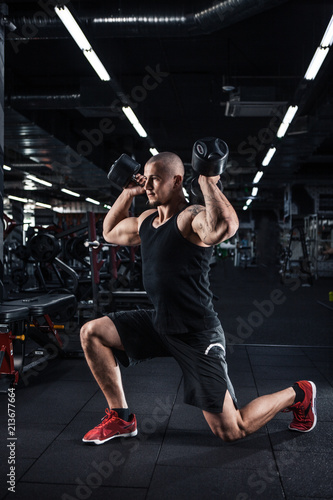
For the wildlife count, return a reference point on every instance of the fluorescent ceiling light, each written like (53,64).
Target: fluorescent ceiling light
(107,206)
(248,202)
(258,176)
(328,35)
(288,118)
(72,26)
(40,181)
(74,29)
(245,207)
(282,130)
(95,202)
(96,64)
(268,157)
(254,191)
(17,198)
(67,191)
(44,205)
(153,151)
(134,121)
(316,63)
(6,167)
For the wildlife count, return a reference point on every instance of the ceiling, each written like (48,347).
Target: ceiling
(226,69)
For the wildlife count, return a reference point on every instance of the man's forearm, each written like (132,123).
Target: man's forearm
(220,214)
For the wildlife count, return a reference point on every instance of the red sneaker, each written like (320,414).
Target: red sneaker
(111,427)
(305,413)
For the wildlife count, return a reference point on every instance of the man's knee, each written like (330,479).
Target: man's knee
(87,332)
(229,434)
(95,330)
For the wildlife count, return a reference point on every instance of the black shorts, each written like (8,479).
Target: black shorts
(200,355)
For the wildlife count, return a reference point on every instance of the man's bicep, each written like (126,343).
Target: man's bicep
(126,232)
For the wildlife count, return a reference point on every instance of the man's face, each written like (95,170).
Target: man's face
(159,184)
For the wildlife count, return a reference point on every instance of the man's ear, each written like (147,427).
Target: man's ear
(177,180)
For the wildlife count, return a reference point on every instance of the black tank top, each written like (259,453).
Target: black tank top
(175,277)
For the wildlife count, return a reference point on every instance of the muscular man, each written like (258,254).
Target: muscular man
(176,246)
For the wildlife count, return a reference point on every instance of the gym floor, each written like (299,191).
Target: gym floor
(277,334)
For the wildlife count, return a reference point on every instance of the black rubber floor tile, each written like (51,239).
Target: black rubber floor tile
(274,351)
(56,402)
(308,475)
(118,463)
(288,372)
(245,394)
(203,449)
(319,353)
(186,417)
(70,369)
(326,369)
(320,439)
(28,491)
(240,377)
(34,437)
(183,482)
(138,402)
(144,383)
(21,466)
(290,360)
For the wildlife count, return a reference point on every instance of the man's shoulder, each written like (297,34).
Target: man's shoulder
(145,214)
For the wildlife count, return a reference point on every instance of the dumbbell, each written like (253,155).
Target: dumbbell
(123,171)
(209,158)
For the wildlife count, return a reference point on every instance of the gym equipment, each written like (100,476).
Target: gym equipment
(30,317)
(209,158)
(123,171)
(295,261)
(44,247)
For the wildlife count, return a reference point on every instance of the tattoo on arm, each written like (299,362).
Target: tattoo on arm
(196,209)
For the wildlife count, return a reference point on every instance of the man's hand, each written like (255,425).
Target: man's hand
(136,188)
(204,180)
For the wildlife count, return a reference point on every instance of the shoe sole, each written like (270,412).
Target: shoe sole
(313,407)
(97,441)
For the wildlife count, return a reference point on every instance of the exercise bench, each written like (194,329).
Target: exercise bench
(34,313)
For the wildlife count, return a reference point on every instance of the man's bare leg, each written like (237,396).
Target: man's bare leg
(97,338)
(234,424)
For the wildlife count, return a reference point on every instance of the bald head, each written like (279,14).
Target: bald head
(169,162)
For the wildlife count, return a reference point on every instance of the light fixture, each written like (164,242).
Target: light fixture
(74,29)
(245,207)
(40,181)
(153,151)
(6,167)
(254,191)
(282,130)
(288,118)
(107,206)
(258,176)
(95,202)
(44,205)
(327,39)
(17,198)
(248,202)
(321,53)
(316,62)
(268,157)
(72,193)
(131,116)
(96,64)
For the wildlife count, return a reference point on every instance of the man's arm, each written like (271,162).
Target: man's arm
(118,227)
(218,221)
